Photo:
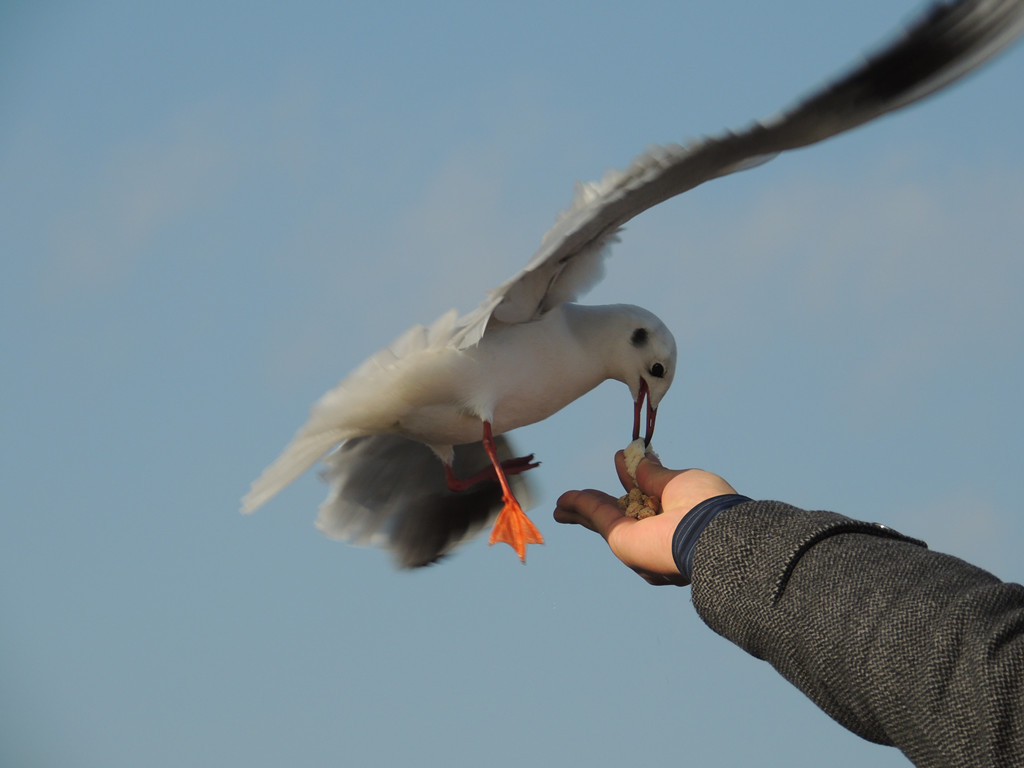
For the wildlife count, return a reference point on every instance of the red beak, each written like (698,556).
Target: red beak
(652,413)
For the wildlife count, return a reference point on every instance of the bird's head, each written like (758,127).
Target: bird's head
(648,364)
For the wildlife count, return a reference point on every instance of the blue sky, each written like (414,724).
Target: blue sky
(211,213)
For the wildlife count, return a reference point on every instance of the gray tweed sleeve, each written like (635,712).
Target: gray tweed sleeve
(902,645)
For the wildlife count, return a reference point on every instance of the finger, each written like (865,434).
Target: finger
(568,516)
(592,509)
(628,483)
(651,476)
(627,480)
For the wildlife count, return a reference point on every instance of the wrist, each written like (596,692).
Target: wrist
(689,529)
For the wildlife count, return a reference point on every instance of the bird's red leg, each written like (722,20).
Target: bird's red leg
(512,526)
(510,467)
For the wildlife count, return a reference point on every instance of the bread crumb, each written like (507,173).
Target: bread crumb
(634,453)
(639,505)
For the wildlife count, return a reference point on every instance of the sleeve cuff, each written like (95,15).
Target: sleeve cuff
(693,524)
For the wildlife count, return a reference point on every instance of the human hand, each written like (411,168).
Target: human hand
(643,545)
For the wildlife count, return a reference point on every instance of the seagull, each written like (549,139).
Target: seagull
(435,387)
(414,438)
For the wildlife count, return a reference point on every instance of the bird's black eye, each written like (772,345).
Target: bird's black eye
(657,370)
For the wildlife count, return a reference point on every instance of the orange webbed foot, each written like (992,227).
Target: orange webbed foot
(515,529)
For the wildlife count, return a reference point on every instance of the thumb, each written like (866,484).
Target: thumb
(651,476)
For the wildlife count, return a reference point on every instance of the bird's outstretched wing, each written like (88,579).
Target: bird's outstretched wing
(946,42)
(388,491)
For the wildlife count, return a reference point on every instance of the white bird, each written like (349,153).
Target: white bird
(528,350)
(434,387)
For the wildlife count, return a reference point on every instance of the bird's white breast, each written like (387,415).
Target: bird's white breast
(517,375)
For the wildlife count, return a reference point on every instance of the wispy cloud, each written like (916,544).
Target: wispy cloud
(940,260)
(419,250)
(138,193)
